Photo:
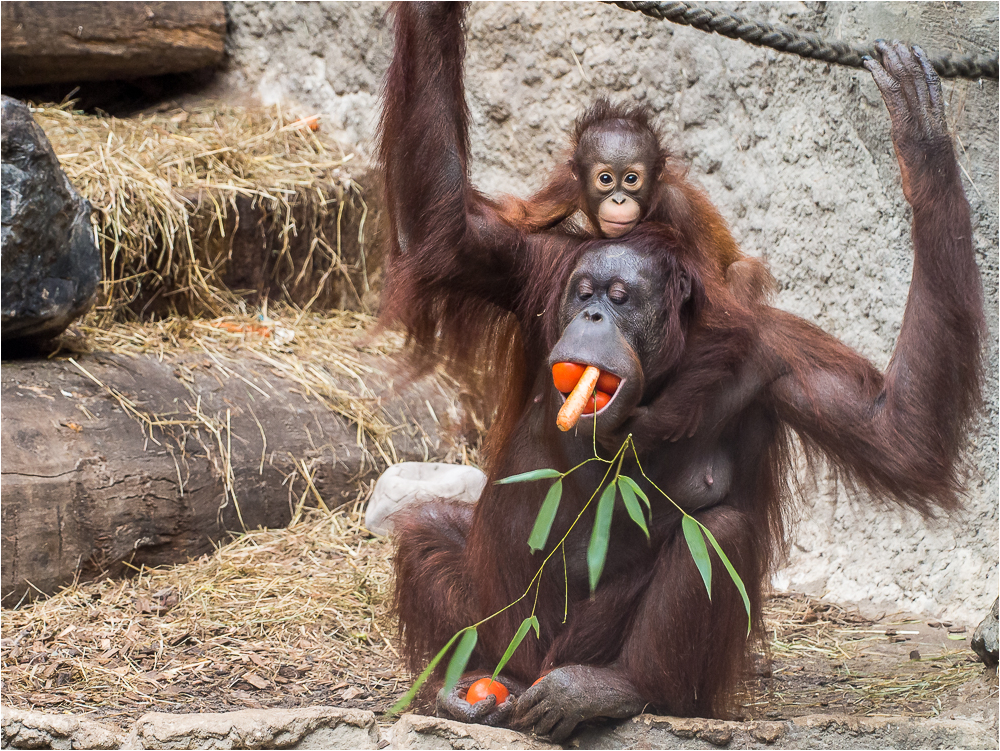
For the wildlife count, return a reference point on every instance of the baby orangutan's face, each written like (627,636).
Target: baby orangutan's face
(617,168)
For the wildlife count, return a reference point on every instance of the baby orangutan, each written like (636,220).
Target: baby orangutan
(619,174)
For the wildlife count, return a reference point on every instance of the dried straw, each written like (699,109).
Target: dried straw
(827,658)
(313,349)
(275,618)
(171,188)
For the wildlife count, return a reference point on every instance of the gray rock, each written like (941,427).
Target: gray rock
(50,259)
(314,727)
(811,731)
(416,731)
(26,729)
(984,641)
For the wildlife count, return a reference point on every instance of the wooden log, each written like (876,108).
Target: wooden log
(88,491)
(98,41)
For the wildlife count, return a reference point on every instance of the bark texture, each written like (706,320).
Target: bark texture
(99,41)
(86,487)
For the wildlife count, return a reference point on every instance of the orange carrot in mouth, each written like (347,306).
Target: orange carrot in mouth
(576,402)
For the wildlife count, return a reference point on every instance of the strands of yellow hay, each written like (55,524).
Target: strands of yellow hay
(164,185)
(271,619)
(331,356)
(825,654)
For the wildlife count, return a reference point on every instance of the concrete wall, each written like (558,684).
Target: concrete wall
(797,155)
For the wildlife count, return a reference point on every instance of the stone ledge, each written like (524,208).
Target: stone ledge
(314,727)
(334,728)
(811,731)
(21,728)
(417,731)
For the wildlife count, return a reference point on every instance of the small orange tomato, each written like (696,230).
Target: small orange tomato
(483,688)
(608,382)
(601,398)
(565,375)
(539,679)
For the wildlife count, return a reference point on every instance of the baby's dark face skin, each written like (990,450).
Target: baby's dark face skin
(618,169)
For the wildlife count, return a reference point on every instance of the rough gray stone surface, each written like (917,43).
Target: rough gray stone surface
(333,728)
(796,154)
(51,264)
(416,731)
(984,641)
(315,727)
(26,729)
(813,731)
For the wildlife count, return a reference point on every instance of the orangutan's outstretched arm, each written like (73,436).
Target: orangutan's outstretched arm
(900,434)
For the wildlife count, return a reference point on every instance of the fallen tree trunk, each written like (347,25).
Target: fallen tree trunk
(99,41)
(188,452)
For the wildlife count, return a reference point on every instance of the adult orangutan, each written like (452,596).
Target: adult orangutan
(651,308)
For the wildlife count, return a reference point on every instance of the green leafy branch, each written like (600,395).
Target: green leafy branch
(695,536)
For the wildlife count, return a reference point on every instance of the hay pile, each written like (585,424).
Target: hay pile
(276,618)
(197,209)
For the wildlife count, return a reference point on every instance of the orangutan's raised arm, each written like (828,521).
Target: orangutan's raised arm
(900,434)
(443,232)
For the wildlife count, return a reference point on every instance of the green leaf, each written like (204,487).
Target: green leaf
(732,573)
(456,666)
(538,629)
(546,515)
(696,544)
(632,505)
(597,550)
(522,631)
(634,487)
(408,697)
(535,474)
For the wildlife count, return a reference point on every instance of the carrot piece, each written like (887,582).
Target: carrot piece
(576,402)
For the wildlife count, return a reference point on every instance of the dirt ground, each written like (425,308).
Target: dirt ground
(298,617)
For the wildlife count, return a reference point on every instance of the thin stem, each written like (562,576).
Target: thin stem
(657,487)
(566,583)
(587,461)
(538,574)
(621,458)
(538,588)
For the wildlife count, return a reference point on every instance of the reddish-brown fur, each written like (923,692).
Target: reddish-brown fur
(676,202)
(477,289)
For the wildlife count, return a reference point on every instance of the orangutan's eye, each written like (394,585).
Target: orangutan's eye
(585,290)
(618,294)
(631,178)
(606,179)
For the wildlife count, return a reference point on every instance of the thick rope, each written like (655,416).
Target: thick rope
(803,45)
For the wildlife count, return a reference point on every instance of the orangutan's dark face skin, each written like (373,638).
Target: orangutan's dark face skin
(618,170)
(611,318)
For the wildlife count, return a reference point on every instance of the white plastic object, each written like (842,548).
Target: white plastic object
(407,483)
